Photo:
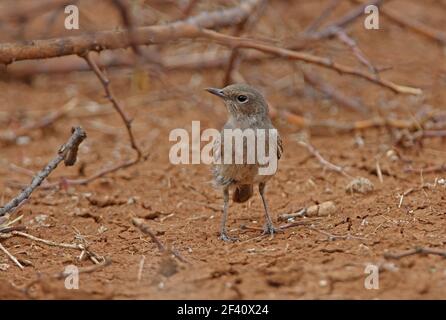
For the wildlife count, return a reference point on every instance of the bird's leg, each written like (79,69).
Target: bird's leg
(223,233)
(269,227)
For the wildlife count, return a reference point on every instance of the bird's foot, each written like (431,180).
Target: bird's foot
(224,236)
(269,229)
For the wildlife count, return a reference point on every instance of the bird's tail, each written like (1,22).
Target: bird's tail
(242,193)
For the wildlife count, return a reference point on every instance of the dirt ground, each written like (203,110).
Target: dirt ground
(179,203)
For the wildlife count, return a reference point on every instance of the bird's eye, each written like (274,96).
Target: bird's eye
(242,98)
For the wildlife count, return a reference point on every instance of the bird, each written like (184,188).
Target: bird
(247,109)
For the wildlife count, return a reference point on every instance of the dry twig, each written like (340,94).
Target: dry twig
(417,250)
(192,28)
(144,228)
(110,96)
(66,153)
(325,163)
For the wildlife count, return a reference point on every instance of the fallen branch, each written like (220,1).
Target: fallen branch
(110,96)
(14,259)
(139,223)
(66,153)
(431,169)
(325,163)
(192,28)
(79,45)
(235,57)
(418,250)
(63,275)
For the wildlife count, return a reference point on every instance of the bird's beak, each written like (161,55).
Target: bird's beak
(217,92)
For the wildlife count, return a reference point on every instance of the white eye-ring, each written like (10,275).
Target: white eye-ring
(242,98)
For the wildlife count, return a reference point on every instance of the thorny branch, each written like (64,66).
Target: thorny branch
(192,28)
(42,49)
(67,153)
(110,96)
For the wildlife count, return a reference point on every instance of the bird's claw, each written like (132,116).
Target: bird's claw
(271,230)
(226,238)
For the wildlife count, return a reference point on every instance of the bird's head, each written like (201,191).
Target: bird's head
(242,100)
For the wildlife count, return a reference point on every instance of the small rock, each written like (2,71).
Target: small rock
(4,266)
(321,210)
(102,229)
(360,185)
(23,140)
(323,283)
(41,219)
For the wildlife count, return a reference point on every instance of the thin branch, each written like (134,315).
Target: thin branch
(411,23)
(192,29)
(144,228)
(187,10)
(345,20)
(49,242)
(306,57)
(325,163)
(66,153)
(14,259)
(314,80)
(235,58)
(418,250)
(359,54)
(324,15)
(42,49)
(431,169)
(63,275)
(110,96)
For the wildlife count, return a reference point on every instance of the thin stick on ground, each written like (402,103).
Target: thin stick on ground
(418,250)
(325,163)
(14,259)
(49,242)
(82,247)
(67,153)
(63,275)
(431,169)
(144,228)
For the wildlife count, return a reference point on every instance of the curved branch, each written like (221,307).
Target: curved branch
(51,48)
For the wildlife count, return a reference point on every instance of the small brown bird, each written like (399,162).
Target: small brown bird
(247,110)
